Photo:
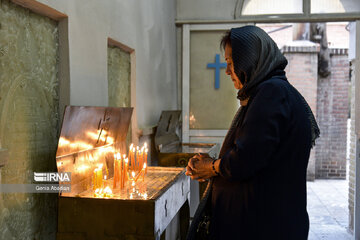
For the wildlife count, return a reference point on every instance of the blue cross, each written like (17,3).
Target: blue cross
(217,65)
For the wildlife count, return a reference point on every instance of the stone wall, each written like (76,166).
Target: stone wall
(28,119)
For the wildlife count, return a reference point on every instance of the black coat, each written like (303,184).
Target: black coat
(261,190)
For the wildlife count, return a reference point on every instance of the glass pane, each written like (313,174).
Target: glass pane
(335,6)
(210,107)
(118,77)
(255,7)
(281,33)
(119,80)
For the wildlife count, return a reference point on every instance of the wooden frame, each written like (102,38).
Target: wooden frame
(41,9)
(206,25)
(306,16)
(131,51)
(329,17)
(187,134)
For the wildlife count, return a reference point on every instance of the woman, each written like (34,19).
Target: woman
(258,186)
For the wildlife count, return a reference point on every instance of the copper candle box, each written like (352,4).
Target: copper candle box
(140,210)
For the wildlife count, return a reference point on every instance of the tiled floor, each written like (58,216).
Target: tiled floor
(328,210)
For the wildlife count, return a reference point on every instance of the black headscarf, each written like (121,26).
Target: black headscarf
(256,56)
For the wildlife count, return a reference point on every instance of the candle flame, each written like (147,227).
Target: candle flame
(91,158)
(145,145)
(82,168)
(73,145)
(126,160)
(107,190)
(118,156)
(105,193)
(63,141)
(99,167)
(144,166)
(110,140)
(133,174)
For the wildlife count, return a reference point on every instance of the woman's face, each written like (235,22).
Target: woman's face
(230,67)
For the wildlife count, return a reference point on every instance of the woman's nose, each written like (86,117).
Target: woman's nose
(227,71)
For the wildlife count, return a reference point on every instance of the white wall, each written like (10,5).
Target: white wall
(146,26)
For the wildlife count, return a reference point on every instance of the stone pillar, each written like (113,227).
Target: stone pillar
(302,73)
(352,152)
(357,133)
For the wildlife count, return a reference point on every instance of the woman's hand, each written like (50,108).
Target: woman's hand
(200,168)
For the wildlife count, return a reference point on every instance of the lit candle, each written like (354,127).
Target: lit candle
(137,151)
(120,177)
(126,169)
(114,178)
(94,180)
(142,152)
(132,175)
(100,176)
(145,158)
(96,193)
(120,172)
(138,159)
(123,171)
(107,192)
(116,170)
(144,168)
(106,170)
(132,156)
(97,181)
